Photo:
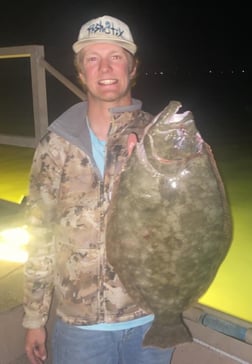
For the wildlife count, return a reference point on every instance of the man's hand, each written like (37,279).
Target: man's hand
(132,140)
(35,345)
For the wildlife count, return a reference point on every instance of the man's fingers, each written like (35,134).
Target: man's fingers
(132,140)
(40,352)
(36,355)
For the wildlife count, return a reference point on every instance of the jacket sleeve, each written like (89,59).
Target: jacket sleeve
(45,178)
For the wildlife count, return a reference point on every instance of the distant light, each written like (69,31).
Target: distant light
(212,71)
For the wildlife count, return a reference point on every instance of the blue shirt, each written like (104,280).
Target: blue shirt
(98,149)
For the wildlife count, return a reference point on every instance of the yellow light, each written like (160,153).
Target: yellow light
(12,244)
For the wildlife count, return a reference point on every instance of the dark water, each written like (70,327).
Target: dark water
(221,104)
(16,111)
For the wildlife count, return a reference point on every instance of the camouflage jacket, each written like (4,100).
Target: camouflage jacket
(66,209)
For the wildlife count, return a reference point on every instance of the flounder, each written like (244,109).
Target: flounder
(169,224)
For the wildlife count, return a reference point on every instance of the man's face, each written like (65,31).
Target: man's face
(107,71)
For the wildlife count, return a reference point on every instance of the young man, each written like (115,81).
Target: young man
(72,177)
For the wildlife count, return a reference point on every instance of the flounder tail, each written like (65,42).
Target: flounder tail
(166,336)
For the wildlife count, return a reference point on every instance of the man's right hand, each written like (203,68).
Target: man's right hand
(35,345)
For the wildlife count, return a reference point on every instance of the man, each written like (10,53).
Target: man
(72,177)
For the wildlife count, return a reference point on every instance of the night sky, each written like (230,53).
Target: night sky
(168,34)
(183,39)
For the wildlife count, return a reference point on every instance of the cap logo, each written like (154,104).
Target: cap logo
(107,28)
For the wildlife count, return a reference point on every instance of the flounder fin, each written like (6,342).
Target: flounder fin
(166,336)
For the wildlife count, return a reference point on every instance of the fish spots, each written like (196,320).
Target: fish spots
(171,220)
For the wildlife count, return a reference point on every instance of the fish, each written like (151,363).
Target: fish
(169,223)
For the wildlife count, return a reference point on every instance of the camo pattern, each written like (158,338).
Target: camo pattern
(66,211)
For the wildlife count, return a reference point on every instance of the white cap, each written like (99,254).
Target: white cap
(105,29)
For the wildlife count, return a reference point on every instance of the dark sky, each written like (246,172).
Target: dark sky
(168,33)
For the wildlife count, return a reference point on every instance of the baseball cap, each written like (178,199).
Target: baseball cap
(105,29)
